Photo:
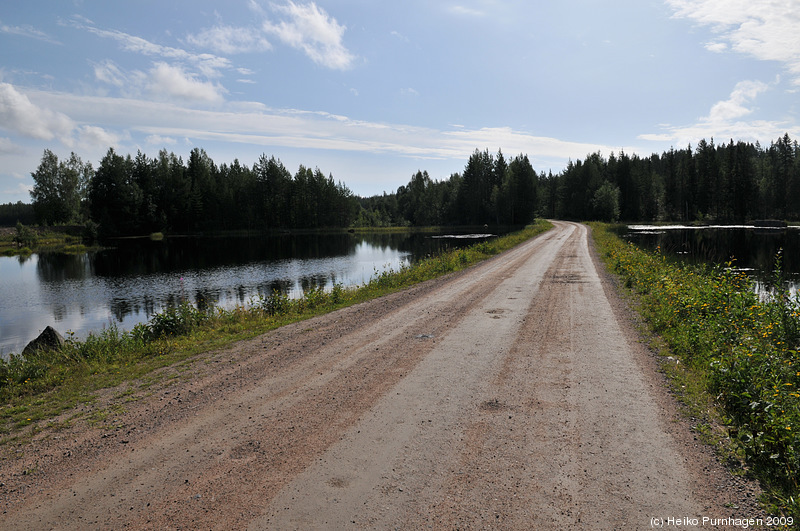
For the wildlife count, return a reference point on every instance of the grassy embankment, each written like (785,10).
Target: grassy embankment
(739,367)
(39,387)
(24,240)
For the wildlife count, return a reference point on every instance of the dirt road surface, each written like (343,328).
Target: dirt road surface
(513,395)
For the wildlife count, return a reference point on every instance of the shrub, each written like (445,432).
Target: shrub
(25,237)
(176,321)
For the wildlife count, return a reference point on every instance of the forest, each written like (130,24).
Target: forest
(724,183)
(125,195)
(141,195)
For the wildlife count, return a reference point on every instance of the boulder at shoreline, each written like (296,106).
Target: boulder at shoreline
(49,339)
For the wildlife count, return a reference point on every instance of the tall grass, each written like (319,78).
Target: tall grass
(744,351)
(40,385)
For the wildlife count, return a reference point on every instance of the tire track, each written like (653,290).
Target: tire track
(241,432)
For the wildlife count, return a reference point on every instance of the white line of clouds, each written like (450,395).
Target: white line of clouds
(466,11)
(208,64)
(29,32)
(306,27)
(288,128)
(230,40)
(161,141)
(726,120)
(764,29)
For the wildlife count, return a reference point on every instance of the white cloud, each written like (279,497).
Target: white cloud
(109,72)
(164,81)
(409,92)
(27,31)
(258,126)
(20,116)
(310,29)
(256,8)
(9,147)
(717,47)
(175,82)
(20,188)
(514,142)
(734,107)
(208,64)
(400,36)
(725,120)
(764,29)
(467,11)
(158,140)
(230,40)
(91,136)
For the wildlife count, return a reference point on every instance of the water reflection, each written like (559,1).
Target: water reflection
(136,278)
(57,268)
(750,249)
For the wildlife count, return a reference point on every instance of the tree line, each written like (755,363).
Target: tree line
(19,212)
(490,191)
(140,195)
(729,182)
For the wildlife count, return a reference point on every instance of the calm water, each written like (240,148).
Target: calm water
(127,284)
(753,250)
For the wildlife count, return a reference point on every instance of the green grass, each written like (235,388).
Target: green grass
(739,364)
(42,386)
(39,239)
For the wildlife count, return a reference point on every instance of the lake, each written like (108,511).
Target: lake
(126,284)
(752,249)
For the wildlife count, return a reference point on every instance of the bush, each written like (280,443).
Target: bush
(176,321)
(25,237)
(276,304)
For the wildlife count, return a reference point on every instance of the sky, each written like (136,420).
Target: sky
(371,91)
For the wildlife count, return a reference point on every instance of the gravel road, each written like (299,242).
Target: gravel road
(513,395)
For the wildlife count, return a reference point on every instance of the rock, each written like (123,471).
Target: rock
(49,339)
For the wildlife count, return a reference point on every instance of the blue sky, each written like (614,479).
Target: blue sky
(371,91)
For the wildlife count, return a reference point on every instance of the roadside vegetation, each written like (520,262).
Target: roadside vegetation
(42,385)
(732,357)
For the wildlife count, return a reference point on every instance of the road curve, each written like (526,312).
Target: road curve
(507,396)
